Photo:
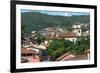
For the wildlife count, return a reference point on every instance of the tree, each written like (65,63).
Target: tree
(39,38)
(60,46)
(37,21)
(23,29)
(85,41)
(67,43)
(57,47)
(80,46)
(58,52)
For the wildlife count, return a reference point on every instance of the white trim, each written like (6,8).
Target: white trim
(51,64)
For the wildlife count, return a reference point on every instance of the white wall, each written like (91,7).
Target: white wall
(71,39)
(5,37)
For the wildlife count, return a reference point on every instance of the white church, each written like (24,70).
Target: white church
(54,32)
(72,36)
(75,34)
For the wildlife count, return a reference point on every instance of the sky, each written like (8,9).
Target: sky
(56,13)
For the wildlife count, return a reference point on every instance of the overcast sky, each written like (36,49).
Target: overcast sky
(56,13)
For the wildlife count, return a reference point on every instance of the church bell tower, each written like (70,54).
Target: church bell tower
(77,29)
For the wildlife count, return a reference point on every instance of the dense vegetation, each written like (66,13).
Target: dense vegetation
(39,38)
(60,46)
(36,21)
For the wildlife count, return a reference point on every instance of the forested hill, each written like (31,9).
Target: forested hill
(36,21)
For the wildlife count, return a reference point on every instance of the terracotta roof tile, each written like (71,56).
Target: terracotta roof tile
(65,57)
(67,35)
(26,51)
(61,57)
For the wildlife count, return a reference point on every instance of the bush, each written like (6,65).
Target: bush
(58,52)
(57,47)
(39,38)
(60,46)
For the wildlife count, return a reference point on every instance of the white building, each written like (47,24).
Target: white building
(33,33)
(77,29)
(68,36)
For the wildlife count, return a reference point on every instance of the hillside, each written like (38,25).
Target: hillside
(36,21)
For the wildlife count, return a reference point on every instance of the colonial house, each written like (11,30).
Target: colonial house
(52,33)
(24,43)
(28,55)
(58,34)
(67,36)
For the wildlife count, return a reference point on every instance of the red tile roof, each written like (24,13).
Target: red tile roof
(61,57)
(30,59)
(66,35)
(68,56)
(65,57)
(61,35)
(26,51)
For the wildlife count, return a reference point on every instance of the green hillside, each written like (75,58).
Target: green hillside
(36,21)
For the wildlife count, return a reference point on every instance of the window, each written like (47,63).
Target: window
(78,31)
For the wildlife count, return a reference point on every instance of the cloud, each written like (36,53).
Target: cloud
(56,13)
